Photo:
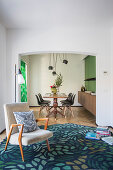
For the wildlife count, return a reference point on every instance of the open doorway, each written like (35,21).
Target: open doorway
(75,75)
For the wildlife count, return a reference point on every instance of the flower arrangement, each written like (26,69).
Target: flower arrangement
(53,86)
(59,80)
(53,89)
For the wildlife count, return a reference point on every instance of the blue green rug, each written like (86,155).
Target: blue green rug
(69,150)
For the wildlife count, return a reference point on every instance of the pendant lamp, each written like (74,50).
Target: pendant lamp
(50,65)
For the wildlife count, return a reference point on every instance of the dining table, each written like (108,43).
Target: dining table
(55,107)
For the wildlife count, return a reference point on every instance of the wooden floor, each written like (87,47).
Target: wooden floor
(81,117)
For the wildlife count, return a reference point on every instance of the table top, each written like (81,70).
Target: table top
(50,95)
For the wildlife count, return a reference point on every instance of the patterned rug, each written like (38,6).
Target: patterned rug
(69,150)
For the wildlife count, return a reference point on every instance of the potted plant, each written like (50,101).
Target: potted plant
(58,81)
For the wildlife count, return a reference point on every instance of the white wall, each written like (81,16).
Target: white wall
(111,117)
(40,78)
(93,40)
(89,39)
(3,92)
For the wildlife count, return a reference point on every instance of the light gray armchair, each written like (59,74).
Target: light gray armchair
(18,138)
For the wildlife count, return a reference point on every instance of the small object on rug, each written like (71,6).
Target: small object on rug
(92,135)
(102,128)
(103,131)
(108,140)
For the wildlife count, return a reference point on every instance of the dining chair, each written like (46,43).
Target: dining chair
(69,98)
(42,100)
(68,104)
(16,137)
(42,105)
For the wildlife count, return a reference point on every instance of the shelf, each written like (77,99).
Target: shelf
(90,79)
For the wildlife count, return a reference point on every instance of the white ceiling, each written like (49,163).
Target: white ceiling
(45,13)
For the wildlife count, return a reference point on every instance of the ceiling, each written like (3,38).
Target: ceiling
(46,13)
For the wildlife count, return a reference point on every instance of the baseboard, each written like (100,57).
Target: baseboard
(58,106)
(34,106)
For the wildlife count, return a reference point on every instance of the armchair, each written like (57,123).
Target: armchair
(19,138)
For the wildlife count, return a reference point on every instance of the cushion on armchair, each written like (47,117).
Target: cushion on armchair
(26,118)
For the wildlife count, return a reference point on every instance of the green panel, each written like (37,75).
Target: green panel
(23,86)
(90,72)
(86,67)
(92,86)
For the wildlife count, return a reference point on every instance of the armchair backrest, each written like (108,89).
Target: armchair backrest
(9,116)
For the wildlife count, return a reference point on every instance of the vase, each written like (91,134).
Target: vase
(82,88)
(54,90)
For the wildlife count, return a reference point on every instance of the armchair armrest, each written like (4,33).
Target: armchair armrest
(20,133)
(43,119)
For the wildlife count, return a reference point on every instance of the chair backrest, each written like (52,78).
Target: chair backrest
(69,98)
(9,116)
(70,94)
(38,100)
(73,98)
(40,97)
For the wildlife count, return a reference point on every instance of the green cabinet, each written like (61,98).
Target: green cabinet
(90,73)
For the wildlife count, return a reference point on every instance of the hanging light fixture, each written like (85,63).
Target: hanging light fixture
(50,65)
(55,61)
(54,73)
(65,61)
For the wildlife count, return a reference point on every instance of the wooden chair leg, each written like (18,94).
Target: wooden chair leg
(8,138)
(19,139)
(65,111)
(47,109)
(21,150)
(71,111)
(6,144)
(48,145)
(41,108)
(39,112)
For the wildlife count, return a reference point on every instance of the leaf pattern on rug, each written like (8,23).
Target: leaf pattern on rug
(69,150)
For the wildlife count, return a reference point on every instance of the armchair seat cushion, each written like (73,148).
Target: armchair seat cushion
(31,137)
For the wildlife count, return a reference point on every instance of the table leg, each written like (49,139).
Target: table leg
(60,113)
(55,105)
(55,109)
